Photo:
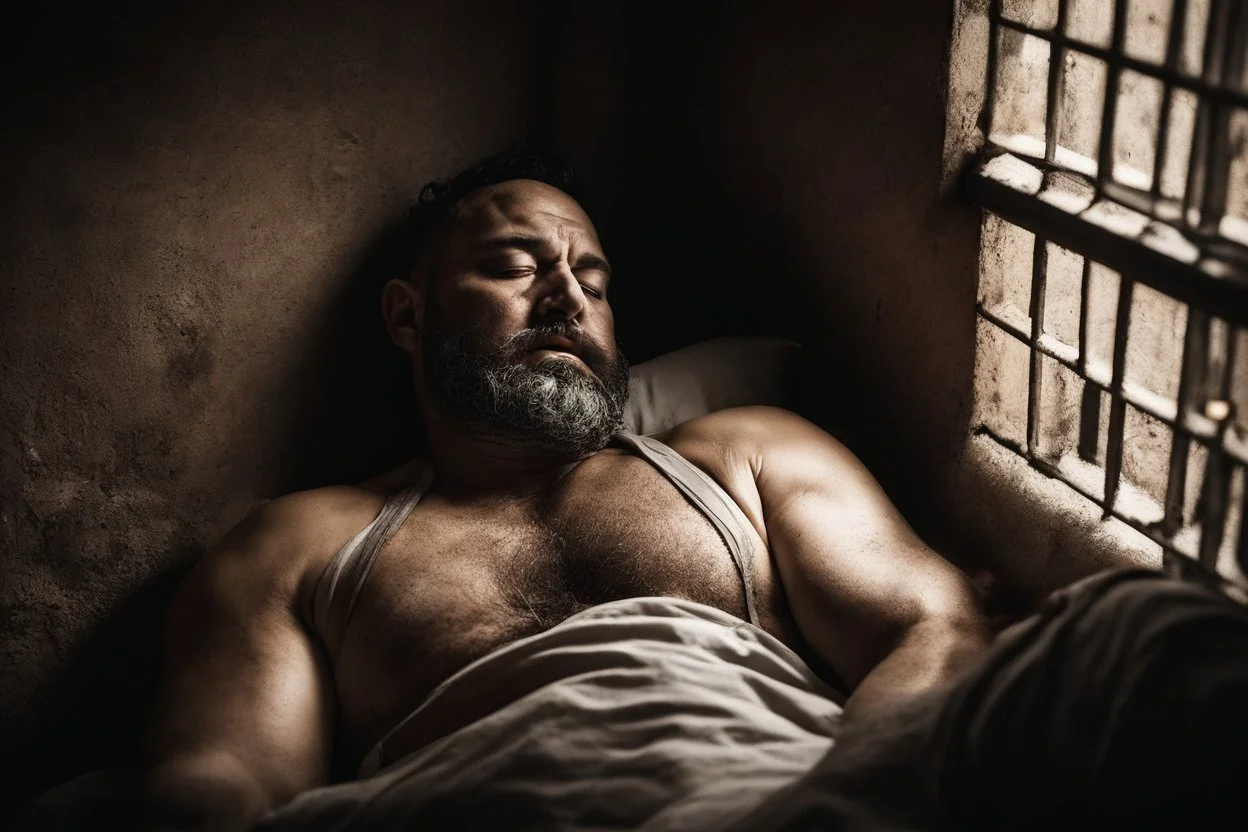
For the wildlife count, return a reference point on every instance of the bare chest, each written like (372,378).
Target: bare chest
(458,581)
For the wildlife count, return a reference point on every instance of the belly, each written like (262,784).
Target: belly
(448,589)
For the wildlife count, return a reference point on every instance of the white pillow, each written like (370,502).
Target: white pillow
(709,376)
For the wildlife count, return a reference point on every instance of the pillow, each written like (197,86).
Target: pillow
(709,376)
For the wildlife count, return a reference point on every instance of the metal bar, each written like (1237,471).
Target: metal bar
(1052,113)
(1174,48)
(1219,153)
(1195,347)
(1117,404)
(1176,482)
(1214,494)
(1188,567)
(1090,407)
(1213,283)
(1242,554)
(1085,289)
(1228,369)
(1197,162)
(1109,113)
(1090,422)
(1134,198)
(990,94)
(1193,187)
(1143,201)
(1201,431)
(1039,278)
(1221,353)
(1228,96)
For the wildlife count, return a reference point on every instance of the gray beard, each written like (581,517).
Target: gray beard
(552,406)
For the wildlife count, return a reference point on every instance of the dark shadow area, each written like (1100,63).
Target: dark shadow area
(680,273)
(91,715)
(356,412)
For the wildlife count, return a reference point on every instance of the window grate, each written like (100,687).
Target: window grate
(1155,194)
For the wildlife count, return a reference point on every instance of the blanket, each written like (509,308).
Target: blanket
(1122,704)
(645,713)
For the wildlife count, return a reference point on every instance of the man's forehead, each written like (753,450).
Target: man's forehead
(523,203)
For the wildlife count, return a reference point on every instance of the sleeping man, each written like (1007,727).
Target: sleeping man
(545,621)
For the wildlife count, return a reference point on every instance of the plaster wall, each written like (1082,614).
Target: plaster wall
(192,196)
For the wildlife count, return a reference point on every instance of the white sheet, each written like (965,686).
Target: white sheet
(646,713)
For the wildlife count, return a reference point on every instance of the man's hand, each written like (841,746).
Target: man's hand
(243,717)
(892,617)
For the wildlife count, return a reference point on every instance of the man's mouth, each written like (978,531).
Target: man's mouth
(557,343)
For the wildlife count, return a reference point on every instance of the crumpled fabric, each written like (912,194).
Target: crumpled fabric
(645,713)
(1122,704)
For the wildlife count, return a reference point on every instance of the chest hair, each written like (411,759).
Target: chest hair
(558,567)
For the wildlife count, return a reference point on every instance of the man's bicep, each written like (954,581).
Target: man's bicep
(855,575)
(244,699)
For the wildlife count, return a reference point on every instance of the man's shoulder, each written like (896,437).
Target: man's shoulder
(743,441)
(298,532)
(753,429)
(307,515)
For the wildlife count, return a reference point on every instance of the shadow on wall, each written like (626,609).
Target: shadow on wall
(355,410)
(91,710)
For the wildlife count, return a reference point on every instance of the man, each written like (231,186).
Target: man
(302,644)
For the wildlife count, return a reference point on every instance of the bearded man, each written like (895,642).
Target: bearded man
(545,621)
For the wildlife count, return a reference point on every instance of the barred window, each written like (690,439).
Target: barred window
(1113,294)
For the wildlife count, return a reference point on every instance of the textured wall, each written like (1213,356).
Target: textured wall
(192,197)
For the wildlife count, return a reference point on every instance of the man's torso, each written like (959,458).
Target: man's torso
(462,578)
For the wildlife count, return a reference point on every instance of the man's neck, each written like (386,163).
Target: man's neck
(470,465)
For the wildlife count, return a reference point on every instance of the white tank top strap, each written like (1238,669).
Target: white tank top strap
(710,499)
(338,589)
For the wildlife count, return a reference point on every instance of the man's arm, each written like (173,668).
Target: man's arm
(891,616)
(243,716)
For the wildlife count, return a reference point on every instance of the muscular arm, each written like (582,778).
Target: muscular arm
(242,720)
(889,614)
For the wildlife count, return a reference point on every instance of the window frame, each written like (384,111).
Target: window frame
(1191,262)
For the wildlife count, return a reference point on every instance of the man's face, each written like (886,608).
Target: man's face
(519,339)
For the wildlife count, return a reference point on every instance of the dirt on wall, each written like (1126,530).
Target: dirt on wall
(190,196)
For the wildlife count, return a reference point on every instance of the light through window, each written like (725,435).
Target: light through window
(1113,296)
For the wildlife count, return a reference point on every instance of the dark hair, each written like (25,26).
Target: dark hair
(438,200)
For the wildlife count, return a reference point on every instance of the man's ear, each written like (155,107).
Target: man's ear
(403,307)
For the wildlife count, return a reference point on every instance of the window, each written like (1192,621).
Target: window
(1113,297)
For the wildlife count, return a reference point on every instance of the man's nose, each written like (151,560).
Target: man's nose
(561,294)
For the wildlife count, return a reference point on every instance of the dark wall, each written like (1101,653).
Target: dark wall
(776,168)
(190,196)
(618,105)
